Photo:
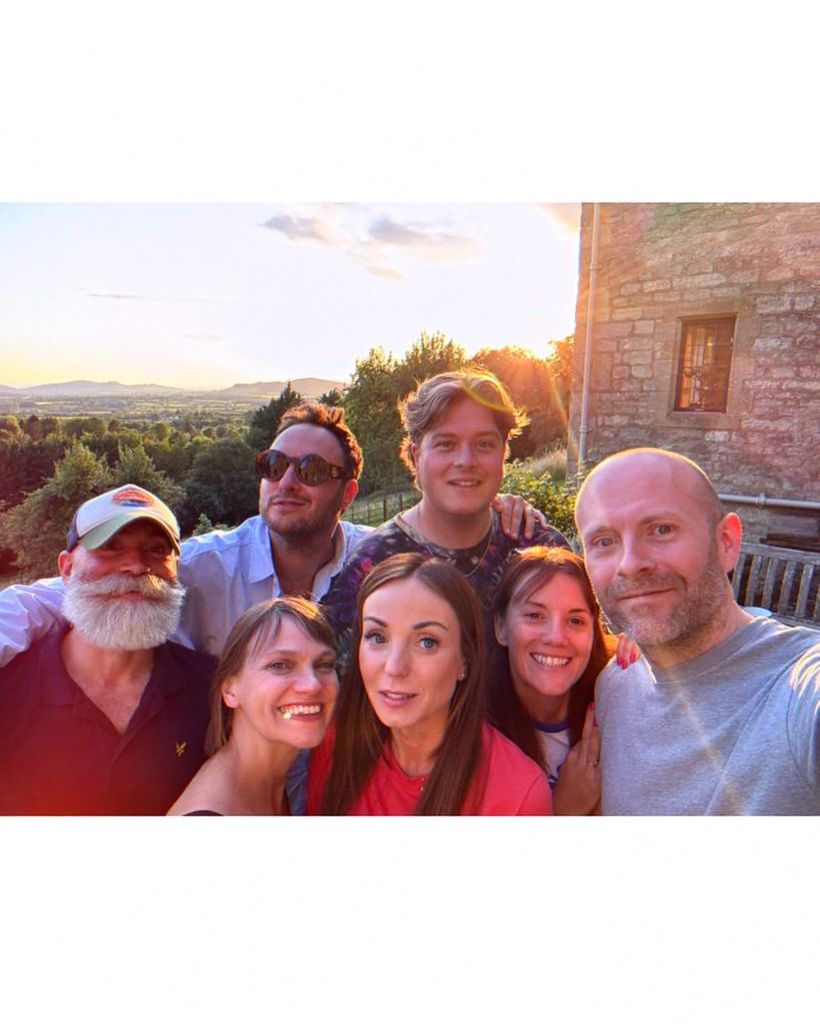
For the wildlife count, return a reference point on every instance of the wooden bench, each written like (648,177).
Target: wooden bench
(785,581)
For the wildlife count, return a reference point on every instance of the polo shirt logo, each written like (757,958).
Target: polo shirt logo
(181,748)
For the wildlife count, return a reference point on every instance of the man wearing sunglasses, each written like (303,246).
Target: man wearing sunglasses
(297,543)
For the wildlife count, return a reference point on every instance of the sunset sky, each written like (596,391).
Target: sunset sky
(205,295)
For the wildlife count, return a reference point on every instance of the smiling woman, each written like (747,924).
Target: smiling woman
(552,647)
(410,735)
(273,695)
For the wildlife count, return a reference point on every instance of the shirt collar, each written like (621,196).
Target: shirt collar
(261,556)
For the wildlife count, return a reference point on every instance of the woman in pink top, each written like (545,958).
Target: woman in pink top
(410,735)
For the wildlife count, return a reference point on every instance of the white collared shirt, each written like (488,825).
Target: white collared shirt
(227,571)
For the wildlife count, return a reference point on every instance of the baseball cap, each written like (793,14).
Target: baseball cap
(98,519)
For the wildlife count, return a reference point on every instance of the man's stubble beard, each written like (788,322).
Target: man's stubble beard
(304,528)
(681,626)
(123,624)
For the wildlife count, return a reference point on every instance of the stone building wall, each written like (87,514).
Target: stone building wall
(659,263)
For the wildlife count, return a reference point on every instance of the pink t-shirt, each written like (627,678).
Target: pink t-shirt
(514,783)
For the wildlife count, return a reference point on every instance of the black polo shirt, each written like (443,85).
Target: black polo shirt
(59,754)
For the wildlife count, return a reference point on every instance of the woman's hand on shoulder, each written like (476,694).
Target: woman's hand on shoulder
(578,790)
(627,652)
(518,517)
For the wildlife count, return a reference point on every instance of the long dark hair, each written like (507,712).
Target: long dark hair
(360,736)
(526,572)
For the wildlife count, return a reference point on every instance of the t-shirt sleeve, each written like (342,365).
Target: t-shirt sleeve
(803,722)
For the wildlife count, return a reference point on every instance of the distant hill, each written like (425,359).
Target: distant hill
(308,387)
(94,388)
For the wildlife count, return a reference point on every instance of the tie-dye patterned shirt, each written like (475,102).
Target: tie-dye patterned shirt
(482,564)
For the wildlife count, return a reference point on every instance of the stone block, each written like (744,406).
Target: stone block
(717,436)
(703,280)
(773,304)
(644,326)
(771,344)
(659,285)
(642,372)
(629,313)
(611,330)
(630,289)
(637,344)
(640,358)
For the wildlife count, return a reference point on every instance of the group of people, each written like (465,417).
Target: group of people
(453,661)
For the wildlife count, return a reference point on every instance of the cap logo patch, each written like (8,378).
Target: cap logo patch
(131,497)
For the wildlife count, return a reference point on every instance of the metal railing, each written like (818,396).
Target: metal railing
(375,510)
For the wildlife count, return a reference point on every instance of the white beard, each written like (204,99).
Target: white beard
(127,625)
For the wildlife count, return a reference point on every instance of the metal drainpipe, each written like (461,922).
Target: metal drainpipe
(762,501)
(593,273)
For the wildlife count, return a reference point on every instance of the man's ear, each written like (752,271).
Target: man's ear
(500,629)
(729,534)
(349,493)
(65,564)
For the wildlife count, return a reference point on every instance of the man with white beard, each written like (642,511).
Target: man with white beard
(107,716)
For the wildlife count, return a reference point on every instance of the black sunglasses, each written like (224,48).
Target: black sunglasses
(310,469)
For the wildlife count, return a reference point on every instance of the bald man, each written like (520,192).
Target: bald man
(721,715)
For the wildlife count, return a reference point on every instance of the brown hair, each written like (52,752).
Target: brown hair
(526,572)
(360,736)
(420,410)
(332,418)
(258,626)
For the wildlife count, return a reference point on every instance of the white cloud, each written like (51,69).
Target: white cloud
(373,239)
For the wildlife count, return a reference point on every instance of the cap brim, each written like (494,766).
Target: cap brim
(101,534)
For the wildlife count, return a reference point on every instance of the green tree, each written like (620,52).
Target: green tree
(265,421)
(35,530)
(222,484)
(370,410)
(332,397)
(541,386)
(134,466)
(431,354)
(552,498)
(25,465)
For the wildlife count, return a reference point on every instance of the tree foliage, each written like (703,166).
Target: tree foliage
(222,484)
(35,530)
(553,499)
(265,421)
(541,386)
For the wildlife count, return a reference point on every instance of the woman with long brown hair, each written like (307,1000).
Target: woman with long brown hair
(272,696)
(410,735)
(542,676)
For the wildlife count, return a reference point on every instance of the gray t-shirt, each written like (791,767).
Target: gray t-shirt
(734,731)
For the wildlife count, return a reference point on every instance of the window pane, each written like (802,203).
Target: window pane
(705,362)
